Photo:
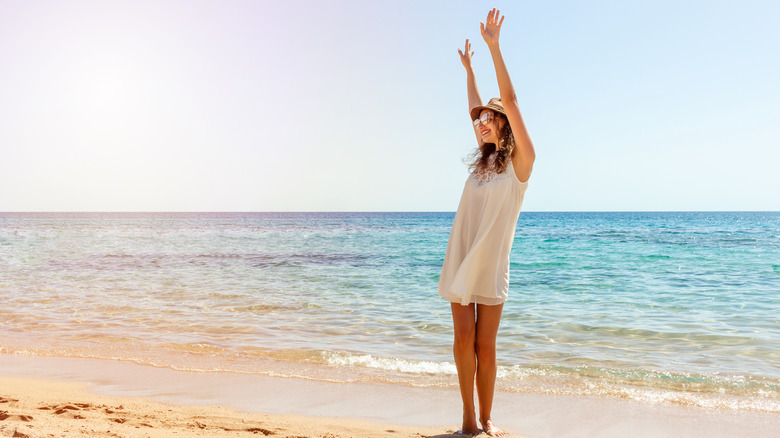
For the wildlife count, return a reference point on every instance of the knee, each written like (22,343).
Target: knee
(465,339)
(486,351)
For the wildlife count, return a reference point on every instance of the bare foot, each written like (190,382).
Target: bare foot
(492,430)
(468,432)
(470,425)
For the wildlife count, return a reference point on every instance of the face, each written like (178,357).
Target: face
(488,126)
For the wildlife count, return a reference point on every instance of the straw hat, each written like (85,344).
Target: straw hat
(493,104)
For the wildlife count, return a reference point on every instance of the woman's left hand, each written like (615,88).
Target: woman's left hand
(491,28)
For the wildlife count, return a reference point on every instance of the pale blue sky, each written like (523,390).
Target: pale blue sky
(361,106)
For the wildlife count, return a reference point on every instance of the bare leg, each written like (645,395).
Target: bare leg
(463,318)
(488,320)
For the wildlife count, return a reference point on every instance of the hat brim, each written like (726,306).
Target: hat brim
(491,106)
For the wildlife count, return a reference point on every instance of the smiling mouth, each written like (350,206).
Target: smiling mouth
(485,132)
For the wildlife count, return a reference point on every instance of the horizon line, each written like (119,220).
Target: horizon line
(364,211)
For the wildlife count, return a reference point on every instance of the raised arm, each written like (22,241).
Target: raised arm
(471,83)
(524,154)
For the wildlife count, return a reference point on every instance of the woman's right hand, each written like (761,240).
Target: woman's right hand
(466,58)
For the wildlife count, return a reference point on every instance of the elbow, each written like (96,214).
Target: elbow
(509,98)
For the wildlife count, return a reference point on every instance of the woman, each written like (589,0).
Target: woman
(475,275)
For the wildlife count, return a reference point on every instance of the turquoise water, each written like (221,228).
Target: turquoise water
(665,307)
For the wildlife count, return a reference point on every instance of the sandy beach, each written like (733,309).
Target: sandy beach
(44,396)
(38,408)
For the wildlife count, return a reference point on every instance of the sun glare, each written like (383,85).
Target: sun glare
(105,90)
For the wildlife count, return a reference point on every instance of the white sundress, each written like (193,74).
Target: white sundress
(476,264)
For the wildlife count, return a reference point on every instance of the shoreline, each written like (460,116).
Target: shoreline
(322,408)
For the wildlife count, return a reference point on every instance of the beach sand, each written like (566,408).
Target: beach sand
(54,397)
(37,408)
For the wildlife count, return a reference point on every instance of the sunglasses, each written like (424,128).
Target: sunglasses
(484,119)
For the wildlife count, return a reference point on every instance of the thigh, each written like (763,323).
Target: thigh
(488,320)
(463,319)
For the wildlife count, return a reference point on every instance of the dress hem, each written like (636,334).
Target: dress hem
(475,299)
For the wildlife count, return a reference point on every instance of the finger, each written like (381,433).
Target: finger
(472,54)
(460,53)
(482,28)
(502,20)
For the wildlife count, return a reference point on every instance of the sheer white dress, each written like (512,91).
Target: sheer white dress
(476,264)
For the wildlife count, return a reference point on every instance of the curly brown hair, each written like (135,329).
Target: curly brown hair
(478,160)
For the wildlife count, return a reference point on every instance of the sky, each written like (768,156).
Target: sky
(326,105)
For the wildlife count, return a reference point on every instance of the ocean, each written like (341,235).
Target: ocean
(664,307)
